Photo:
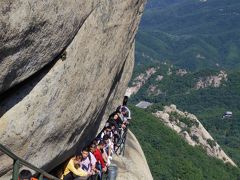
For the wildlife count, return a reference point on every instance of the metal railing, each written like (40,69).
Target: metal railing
(120,145)
(18,161)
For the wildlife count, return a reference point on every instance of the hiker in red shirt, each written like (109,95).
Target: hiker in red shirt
(98,155)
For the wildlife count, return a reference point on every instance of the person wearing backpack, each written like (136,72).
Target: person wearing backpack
(88,161)
(123,109)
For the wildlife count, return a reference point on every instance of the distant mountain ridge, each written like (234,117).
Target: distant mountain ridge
(192,48)
(191,34)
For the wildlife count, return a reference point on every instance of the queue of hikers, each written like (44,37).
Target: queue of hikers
(92,162)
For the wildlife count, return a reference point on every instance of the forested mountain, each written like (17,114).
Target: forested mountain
(194,47)
(170,157)
(190,34)
(206,93)
(188,54)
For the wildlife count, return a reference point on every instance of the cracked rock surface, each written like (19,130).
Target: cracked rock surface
(51,104)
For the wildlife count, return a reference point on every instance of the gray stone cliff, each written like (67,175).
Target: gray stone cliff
(64,66)
(133,165)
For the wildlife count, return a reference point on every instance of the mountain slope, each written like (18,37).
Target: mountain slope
(191,34)
(170,157)
(208,94)
(191,129)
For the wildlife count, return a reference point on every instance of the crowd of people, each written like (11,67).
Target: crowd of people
(92,161)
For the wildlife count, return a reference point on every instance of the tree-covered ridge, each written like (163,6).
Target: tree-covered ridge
(202,37)
(209,104)
(170,157)
(190,34)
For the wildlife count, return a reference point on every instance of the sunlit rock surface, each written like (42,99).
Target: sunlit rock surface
(192,130)
(133,166)
(63,105)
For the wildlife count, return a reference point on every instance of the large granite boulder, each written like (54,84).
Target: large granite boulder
(133,166)
(65,103)
(34,32)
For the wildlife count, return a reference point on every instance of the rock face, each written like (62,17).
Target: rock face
(133,166)
(140,80)
(191,129)
(45,117)
(34,32)
(211,81)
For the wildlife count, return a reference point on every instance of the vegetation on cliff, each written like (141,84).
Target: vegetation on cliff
(191,34)
(208,104)
(170,157)
(193,42)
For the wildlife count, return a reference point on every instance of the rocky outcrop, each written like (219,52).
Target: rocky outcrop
(181,72)
(191,129)
(133,166)
(211,81)
(45,117)
(154,91)
(159,78)
(140,80)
